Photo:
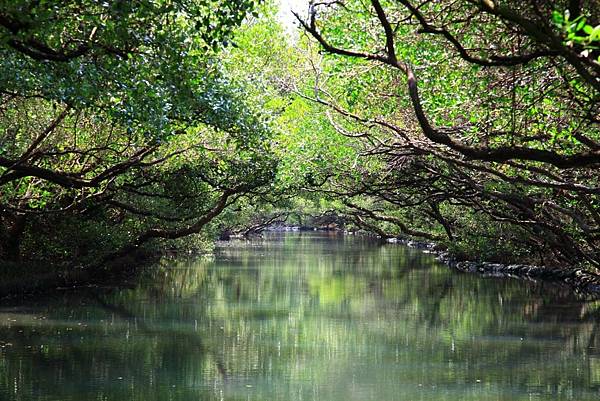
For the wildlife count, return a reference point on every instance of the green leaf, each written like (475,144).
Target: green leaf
(595,35)
(557,17)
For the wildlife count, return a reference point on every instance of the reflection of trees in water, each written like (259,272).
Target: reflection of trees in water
(543,335)
(36,367)
(117,354)
(395,285)
(448,310)
(193,342)
(308,310)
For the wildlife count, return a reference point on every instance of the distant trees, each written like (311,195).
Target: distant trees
(478,120)
(117,126)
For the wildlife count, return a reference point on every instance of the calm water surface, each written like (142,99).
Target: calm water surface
(303,317)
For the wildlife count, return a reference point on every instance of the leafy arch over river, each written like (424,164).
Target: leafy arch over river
(129,126)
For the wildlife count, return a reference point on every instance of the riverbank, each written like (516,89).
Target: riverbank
(582,282)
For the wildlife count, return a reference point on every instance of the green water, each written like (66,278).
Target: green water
(303,317)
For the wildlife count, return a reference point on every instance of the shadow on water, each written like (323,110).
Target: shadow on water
(304,317)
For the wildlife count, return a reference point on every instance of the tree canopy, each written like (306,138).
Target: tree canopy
(482,117)
(128,125)
(119,124)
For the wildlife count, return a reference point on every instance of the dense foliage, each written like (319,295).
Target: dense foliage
(119,126)
(128,125)
(477,122)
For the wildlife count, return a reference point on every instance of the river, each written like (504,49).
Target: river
(303,316)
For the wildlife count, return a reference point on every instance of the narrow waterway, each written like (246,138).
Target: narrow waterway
(303,316)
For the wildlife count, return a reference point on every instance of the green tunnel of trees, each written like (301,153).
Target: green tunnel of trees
(140,126)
